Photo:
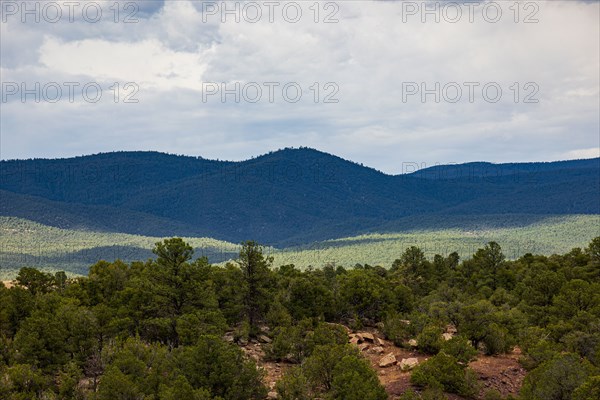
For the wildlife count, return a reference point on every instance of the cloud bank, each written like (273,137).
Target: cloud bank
(381,83)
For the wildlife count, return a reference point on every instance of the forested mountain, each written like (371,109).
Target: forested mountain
(291,195)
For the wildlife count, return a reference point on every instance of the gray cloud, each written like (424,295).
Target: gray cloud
(370,55)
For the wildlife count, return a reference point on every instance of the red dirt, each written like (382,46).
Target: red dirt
(502,373)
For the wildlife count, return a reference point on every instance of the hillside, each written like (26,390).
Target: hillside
(518,235)
(27,243)
(283,198)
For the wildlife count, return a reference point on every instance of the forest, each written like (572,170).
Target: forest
(178,327)
(285,198)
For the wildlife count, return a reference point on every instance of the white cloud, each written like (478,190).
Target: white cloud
(582,153)
(148,63)
(369,54)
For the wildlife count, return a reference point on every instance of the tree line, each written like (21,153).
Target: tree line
(171,327)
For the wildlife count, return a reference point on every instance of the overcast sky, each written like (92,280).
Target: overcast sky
(361,68)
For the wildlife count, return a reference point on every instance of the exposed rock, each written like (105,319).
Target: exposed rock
(380,342)
(368,337)
(363,346)
(447,336)
(413,343)
(408,363)
(264,339)
(377,350)
(360,337)
(387,360)
(228,337)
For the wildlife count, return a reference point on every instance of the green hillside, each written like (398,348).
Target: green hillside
(551,235)
(26,243)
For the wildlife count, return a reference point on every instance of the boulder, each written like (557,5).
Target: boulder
(413,343)
(408,363)
(264,339)
(354,339)
(380,342)
(377,350)
(363,346)
(388,360)
(368,337)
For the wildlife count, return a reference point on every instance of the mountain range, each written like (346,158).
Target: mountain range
(283,198)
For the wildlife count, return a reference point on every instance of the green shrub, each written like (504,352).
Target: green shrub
(497,340)
(203,322)
(590,389)
(286,345)
(319,367)
(242,331)
(460,348)
(325,334)
(410,394)
(354,379)
(557,378)
(395,329)
(294,343)
(332,372)
(430,339)
(585,344)
(293,385)
(278,316)
(492,394)
(536,348)
(443,371)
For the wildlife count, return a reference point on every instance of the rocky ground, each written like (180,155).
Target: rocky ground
(392,364)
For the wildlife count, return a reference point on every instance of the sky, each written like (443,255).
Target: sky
(382,83)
